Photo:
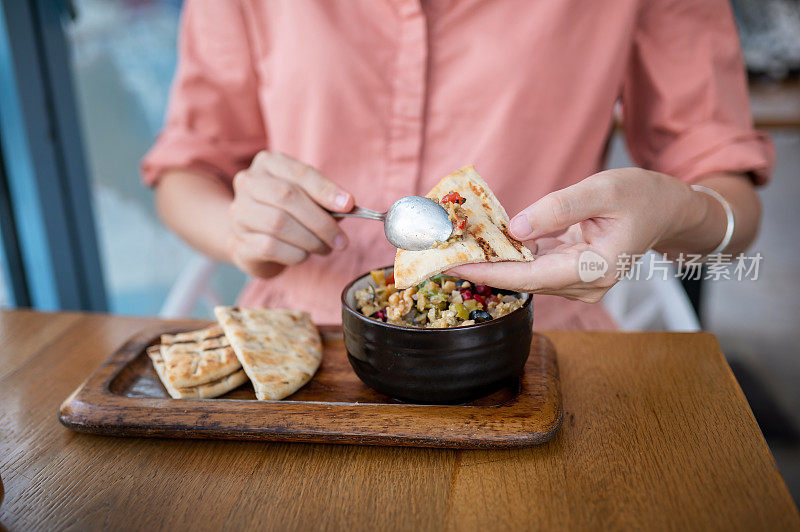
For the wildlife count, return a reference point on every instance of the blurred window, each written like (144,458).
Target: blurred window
(123,59)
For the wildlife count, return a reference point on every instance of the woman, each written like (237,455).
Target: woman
(281,110)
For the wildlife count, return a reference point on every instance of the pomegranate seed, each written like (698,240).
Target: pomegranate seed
(479,299)
(466,294)
(482,289)
(381,315)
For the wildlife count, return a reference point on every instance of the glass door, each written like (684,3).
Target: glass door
(84,85)
(123,56)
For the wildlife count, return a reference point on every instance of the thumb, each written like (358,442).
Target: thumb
(557,211)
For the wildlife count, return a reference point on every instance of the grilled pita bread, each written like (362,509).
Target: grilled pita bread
(280,350)
(204,391)
(486,238)
(197,357)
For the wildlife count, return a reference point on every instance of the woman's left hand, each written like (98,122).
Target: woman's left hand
(595,223)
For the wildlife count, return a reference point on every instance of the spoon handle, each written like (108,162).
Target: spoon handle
(360,212)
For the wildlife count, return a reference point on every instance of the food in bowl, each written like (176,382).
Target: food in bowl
(440,302)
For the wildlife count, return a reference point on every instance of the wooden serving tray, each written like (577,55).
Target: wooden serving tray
(125,398)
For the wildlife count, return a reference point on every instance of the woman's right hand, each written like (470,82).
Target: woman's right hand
(278,215)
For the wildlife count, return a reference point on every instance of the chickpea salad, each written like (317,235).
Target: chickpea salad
(440,302)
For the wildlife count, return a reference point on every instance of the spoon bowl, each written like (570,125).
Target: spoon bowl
(417,223)
(413,222)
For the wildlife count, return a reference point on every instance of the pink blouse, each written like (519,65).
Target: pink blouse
(385,97)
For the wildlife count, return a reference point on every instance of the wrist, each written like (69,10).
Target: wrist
(696,210)
(698,224)
(688,213)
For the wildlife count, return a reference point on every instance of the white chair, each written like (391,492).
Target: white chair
(651,304)
(192,286)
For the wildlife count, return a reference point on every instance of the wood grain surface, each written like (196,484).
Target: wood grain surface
(657,435)
(125,398)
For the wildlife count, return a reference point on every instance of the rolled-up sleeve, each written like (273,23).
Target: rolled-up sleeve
(214,121)
(685,102)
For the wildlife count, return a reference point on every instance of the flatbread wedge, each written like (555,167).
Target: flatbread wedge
(197,357)
(204,391)
(280,350)
(486,237)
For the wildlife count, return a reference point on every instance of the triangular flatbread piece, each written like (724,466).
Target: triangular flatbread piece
(197,357)
(486,237)
(280,350)
(208,390)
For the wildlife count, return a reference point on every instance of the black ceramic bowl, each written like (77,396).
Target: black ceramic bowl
(435,366)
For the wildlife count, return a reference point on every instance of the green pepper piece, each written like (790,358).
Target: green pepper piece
(438,298)
(471,304)
(460,310)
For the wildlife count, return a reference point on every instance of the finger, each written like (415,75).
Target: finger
(259,218)
(582,293)
(558,210)
(532,246)
(269,190)
(258,247)
(503,278)
(506,275)
(322,190)
(574,233)
(546,245)
(554,234)
(547,272)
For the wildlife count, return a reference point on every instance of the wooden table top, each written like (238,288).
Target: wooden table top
(656,435)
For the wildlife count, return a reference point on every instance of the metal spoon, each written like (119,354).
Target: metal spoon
(413,222)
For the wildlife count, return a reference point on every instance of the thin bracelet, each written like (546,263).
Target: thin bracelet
(728,213)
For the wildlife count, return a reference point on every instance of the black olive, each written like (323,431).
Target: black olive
(479,316)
